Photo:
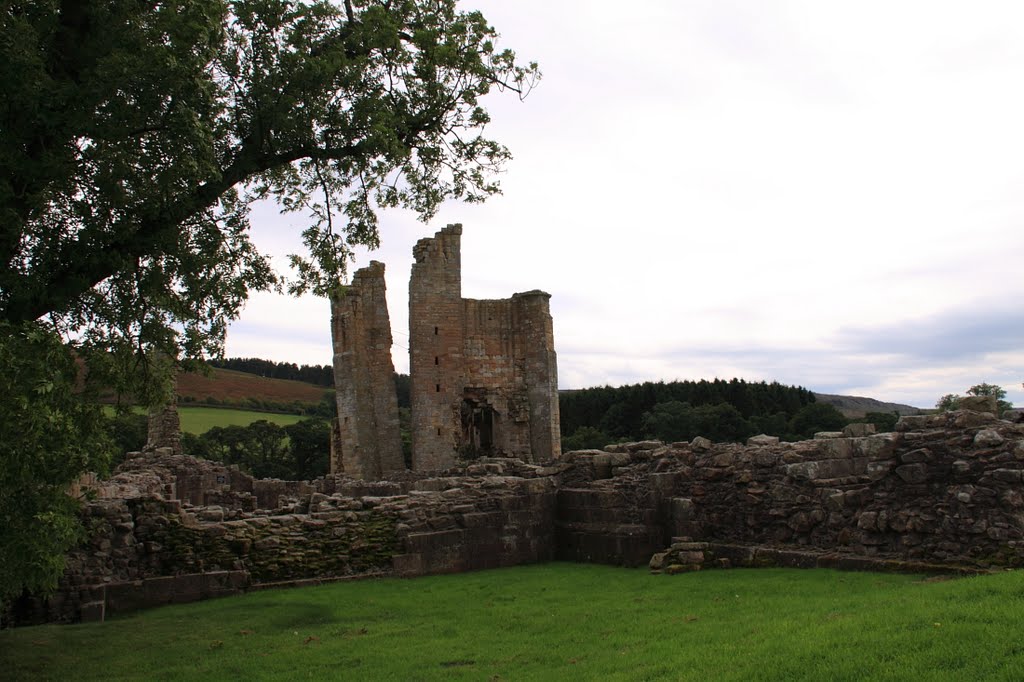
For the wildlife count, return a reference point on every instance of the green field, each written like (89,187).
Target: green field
(199,420)
(559,622)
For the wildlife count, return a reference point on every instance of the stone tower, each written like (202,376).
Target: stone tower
(483,372)
(367,437)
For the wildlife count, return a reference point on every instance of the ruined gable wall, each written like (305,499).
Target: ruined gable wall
(368,437)
(436,343)
(535,333)
(497,355)
(494,372)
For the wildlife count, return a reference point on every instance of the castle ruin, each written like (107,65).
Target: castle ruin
(483,373)
(367,440)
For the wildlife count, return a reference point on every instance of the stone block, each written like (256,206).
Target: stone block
(914,422)
(967,419)
(915,456)
(1008,475)
(408,565)
(988,438)
(858,430)
(876,471)
(657,561)
(93,612)
(980,403)
(913,473)
(762,439)
(836,448)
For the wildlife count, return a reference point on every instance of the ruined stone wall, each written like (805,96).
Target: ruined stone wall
(163,427)
(436,343)
(368,441)
(143,550)
(944,489)
(484,374)
(540,372)
(494,385)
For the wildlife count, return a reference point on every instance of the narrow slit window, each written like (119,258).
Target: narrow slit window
(437,360)
(435,331)
(437,388)
(439,432)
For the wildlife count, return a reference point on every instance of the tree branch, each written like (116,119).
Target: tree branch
(92,258)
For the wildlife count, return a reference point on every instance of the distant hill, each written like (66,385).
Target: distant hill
(229,386)
(855,407)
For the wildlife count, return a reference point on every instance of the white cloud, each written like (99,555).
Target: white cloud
(775,190)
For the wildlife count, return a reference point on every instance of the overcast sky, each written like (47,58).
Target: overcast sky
(821,193)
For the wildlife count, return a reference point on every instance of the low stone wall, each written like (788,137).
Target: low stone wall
(147,551)
(944,491)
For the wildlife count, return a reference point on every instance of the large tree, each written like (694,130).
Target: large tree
(135,135)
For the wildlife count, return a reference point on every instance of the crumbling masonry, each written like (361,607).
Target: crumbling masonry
(484,378)
(367,441)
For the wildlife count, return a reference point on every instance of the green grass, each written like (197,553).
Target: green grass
(559,622)
(199,420)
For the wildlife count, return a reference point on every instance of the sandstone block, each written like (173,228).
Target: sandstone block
(1007,475)
(763,439)
(878,446)
(878,470)
(914,422)
(687,557)
(828,435)
(700,443)
(967,419)
(858,430)
(988,438)
(918,455)
(868,521)
(962,467)
(980,403)
(913,473)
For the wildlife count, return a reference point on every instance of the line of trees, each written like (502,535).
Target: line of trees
(681,410)
(320,375)
(296,452)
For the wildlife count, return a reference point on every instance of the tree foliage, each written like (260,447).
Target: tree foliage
(135,137)
(951,401)
(297,452)
(672,410)
(49,436)
(321,375)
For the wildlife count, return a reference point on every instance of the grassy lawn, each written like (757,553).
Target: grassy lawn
(560,622)
(199,420)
